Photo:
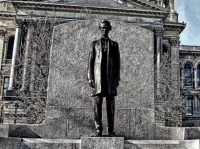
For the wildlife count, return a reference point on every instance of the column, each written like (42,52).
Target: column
(27,60)
(18,23)
(182,78)
(2,35)
(195,77)
(175,68)
(158,103)
(158,38)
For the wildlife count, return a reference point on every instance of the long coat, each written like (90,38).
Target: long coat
(113,67)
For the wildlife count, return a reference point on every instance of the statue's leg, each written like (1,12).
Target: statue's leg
(98,100)
(110,107)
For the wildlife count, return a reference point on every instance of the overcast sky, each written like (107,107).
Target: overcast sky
(188,10)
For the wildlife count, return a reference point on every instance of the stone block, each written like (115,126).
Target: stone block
(169,133)
(102,143)
(69,102)
(10,143)
(4,130)
(161,144)
(50,144)
(192,133)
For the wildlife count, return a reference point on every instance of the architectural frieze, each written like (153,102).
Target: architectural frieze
(93,9)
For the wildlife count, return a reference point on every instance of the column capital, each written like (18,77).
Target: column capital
(18,23)
(2,32)
(158,32)
(174,42)
(30,23)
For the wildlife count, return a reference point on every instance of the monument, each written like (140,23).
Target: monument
(69,110)
(104,76)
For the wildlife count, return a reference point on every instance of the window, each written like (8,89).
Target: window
(5,85)
(189,106)
(10,48)
(198,75)
(188,75)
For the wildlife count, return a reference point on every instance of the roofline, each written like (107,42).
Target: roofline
(93,9)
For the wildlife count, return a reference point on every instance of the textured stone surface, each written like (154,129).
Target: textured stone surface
(10,143)
(4,130)
(50,144)
(169,133)
(192,133)
(69,93)
(102,143)
(161,144)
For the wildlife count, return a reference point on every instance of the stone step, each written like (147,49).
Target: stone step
(95,143)
(50,143)
(161,144)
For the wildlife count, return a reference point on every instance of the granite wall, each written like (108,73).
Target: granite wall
(69,104)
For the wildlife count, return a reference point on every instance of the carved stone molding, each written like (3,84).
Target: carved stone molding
(2,32)
(30,23)
(158,32)
(174,42)
(18,23)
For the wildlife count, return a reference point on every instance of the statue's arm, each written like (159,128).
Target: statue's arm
(91,65)
(117,63)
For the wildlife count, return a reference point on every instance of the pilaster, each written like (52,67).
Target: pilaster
(18,24)
(27,61)
(2,36)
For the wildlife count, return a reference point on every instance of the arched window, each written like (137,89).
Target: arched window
(198,75)
(188,75)
(10,48)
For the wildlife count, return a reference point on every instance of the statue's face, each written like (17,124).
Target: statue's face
(104,28)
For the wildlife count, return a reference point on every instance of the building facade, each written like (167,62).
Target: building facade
(19,20)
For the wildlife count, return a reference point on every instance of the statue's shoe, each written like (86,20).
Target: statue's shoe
(112,134)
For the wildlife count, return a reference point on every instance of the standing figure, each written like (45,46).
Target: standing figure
(104,76)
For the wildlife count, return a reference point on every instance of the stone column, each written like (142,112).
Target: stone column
(158,36)
(195,103)
(182,77)
(2,35)
(175,72)
(27,59)
(18,23)
(195,78)
(158,50)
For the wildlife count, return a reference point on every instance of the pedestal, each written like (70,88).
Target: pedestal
(102,143)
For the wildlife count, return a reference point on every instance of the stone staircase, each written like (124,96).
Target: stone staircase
(13,113)
(95,143)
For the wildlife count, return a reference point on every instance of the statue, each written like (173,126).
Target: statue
(104,76)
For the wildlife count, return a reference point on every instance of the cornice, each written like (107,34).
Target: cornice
(189,52)
(93,9)
(177,27)
(149,4)
(7,14)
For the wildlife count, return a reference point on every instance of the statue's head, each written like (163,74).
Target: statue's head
(105,27)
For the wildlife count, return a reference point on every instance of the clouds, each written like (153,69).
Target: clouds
(191,34)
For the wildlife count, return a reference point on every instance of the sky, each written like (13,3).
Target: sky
(189,12)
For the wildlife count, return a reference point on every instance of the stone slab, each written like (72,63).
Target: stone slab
(161,144)
(50,144)
(192,133)
(102,143)
(4,130)
(10,143)
(70,124)
(169,133)
(68,89)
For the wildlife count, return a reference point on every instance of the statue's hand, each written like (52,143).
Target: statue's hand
(117,83)
(91,82)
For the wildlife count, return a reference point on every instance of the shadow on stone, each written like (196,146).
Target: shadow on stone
(23,132)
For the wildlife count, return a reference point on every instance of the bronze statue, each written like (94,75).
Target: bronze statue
(104,76)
